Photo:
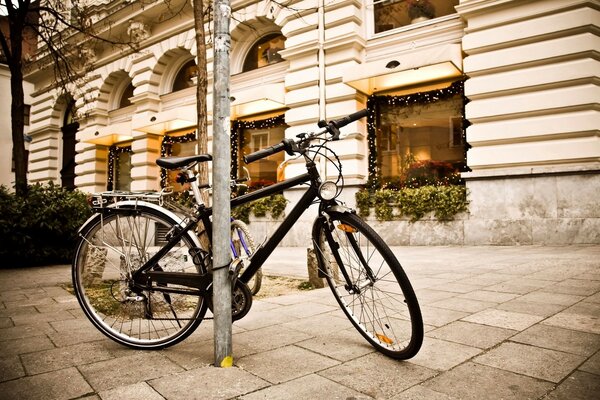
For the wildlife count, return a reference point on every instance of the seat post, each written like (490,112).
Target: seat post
(195,187)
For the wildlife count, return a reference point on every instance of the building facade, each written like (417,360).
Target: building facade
(503,92)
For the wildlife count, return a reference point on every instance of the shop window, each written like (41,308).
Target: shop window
(119,167)
(176,145)
(265,52)
(127,94)
(184,78)
(418,139)
(390,14)
(251,136)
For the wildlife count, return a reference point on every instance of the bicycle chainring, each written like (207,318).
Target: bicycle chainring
(241,300)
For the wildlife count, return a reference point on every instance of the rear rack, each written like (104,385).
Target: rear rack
(104,199)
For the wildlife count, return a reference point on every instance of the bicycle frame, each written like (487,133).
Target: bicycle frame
(145,275)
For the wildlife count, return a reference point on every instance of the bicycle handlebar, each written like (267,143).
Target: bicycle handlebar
(331,127)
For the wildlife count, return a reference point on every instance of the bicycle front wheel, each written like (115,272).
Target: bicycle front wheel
(107,254)
(369,284)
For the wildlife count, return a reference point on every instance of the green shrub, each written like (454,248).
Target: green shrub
(40,228)
(444,201)
(273,205)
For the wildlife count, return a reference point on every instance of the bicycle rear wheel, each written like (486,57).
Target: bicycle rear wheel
(244,248)
(108,252)
(369,284)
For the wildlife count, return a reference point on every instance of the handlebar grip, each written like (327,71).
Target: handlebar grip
(350,118)
(257,155)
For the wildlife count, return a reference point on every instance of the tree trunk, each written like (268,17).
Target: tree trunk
(17,106)
(201,90)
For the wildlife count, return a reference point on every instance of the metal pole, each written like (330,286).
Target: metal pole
(221,190)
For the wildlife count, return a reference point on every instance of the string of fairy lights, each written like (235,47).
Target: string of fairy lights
(114,153)
(237,136)
(374,103)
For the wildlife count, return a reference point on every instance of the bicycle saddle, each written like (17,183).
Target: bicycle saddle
(178,162)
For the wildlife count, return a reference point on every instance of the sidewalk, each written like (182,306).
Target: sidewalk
(501,323)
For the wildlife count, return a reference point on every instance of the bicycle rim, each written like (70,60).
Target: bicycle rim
(106,256)
(379,301)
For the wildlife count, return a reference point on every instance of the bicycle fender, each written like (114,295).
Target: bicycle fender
(340,209)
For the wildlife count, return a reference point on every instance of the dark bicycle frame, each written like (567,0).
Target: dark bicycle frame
(151,272)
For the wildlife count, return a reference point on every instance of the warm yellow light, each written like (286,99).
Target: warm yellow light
(109,139)
(160,127)
(258,106)
(414,76)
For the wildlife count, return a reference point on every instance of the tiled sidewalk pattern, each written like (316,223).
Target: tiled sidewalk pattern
(501,323)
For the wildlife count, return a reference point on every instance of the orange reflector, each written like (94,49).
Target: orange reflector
(346,228)
(384,339)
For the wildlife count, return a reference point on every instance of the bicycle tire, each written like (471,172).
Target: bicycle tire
(385,309)
(245,247)
(107,252)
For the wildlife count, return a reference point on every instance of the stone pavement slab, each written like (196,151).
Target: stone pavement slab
(500,322)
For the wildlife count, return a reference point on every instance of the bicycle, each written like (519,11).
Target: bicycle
(159,286)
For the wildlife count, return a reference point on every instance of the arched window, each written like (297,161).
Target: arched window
(127,93)
(265,52)
(183,79)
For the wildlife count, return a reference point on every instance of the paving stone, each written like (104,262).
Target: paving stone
(472,381)
(308,309)
(503,319)
(462,304)
(539,309)
(488,279)
(121,371)
(443,355)
(593,298)
(24,331)
(342,345)
(320,324)
(10,368)
(191,355)
(137,391)
(75,336)
(307,387)
(285,363)
(264,339)
(41,317)
(592,365)
(13,312)
(207,382)
(261,319)
(582,317)
(579,386)
(6,322)
(476,335)
(426,296)
(457,287)
(419,392)
(488,295)
(377,375)
(25,345)
(439,317)
(555,338)
(62,357)
(29,302)
(57,385)
(519,286)
(576,287)
(541,296)
(532,361)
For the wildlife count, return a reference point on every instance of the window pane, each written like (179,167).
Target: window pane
(420,144)
(123,168)
(183,80)
(390,14)
(263,172)
(124,102)
(265,52)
